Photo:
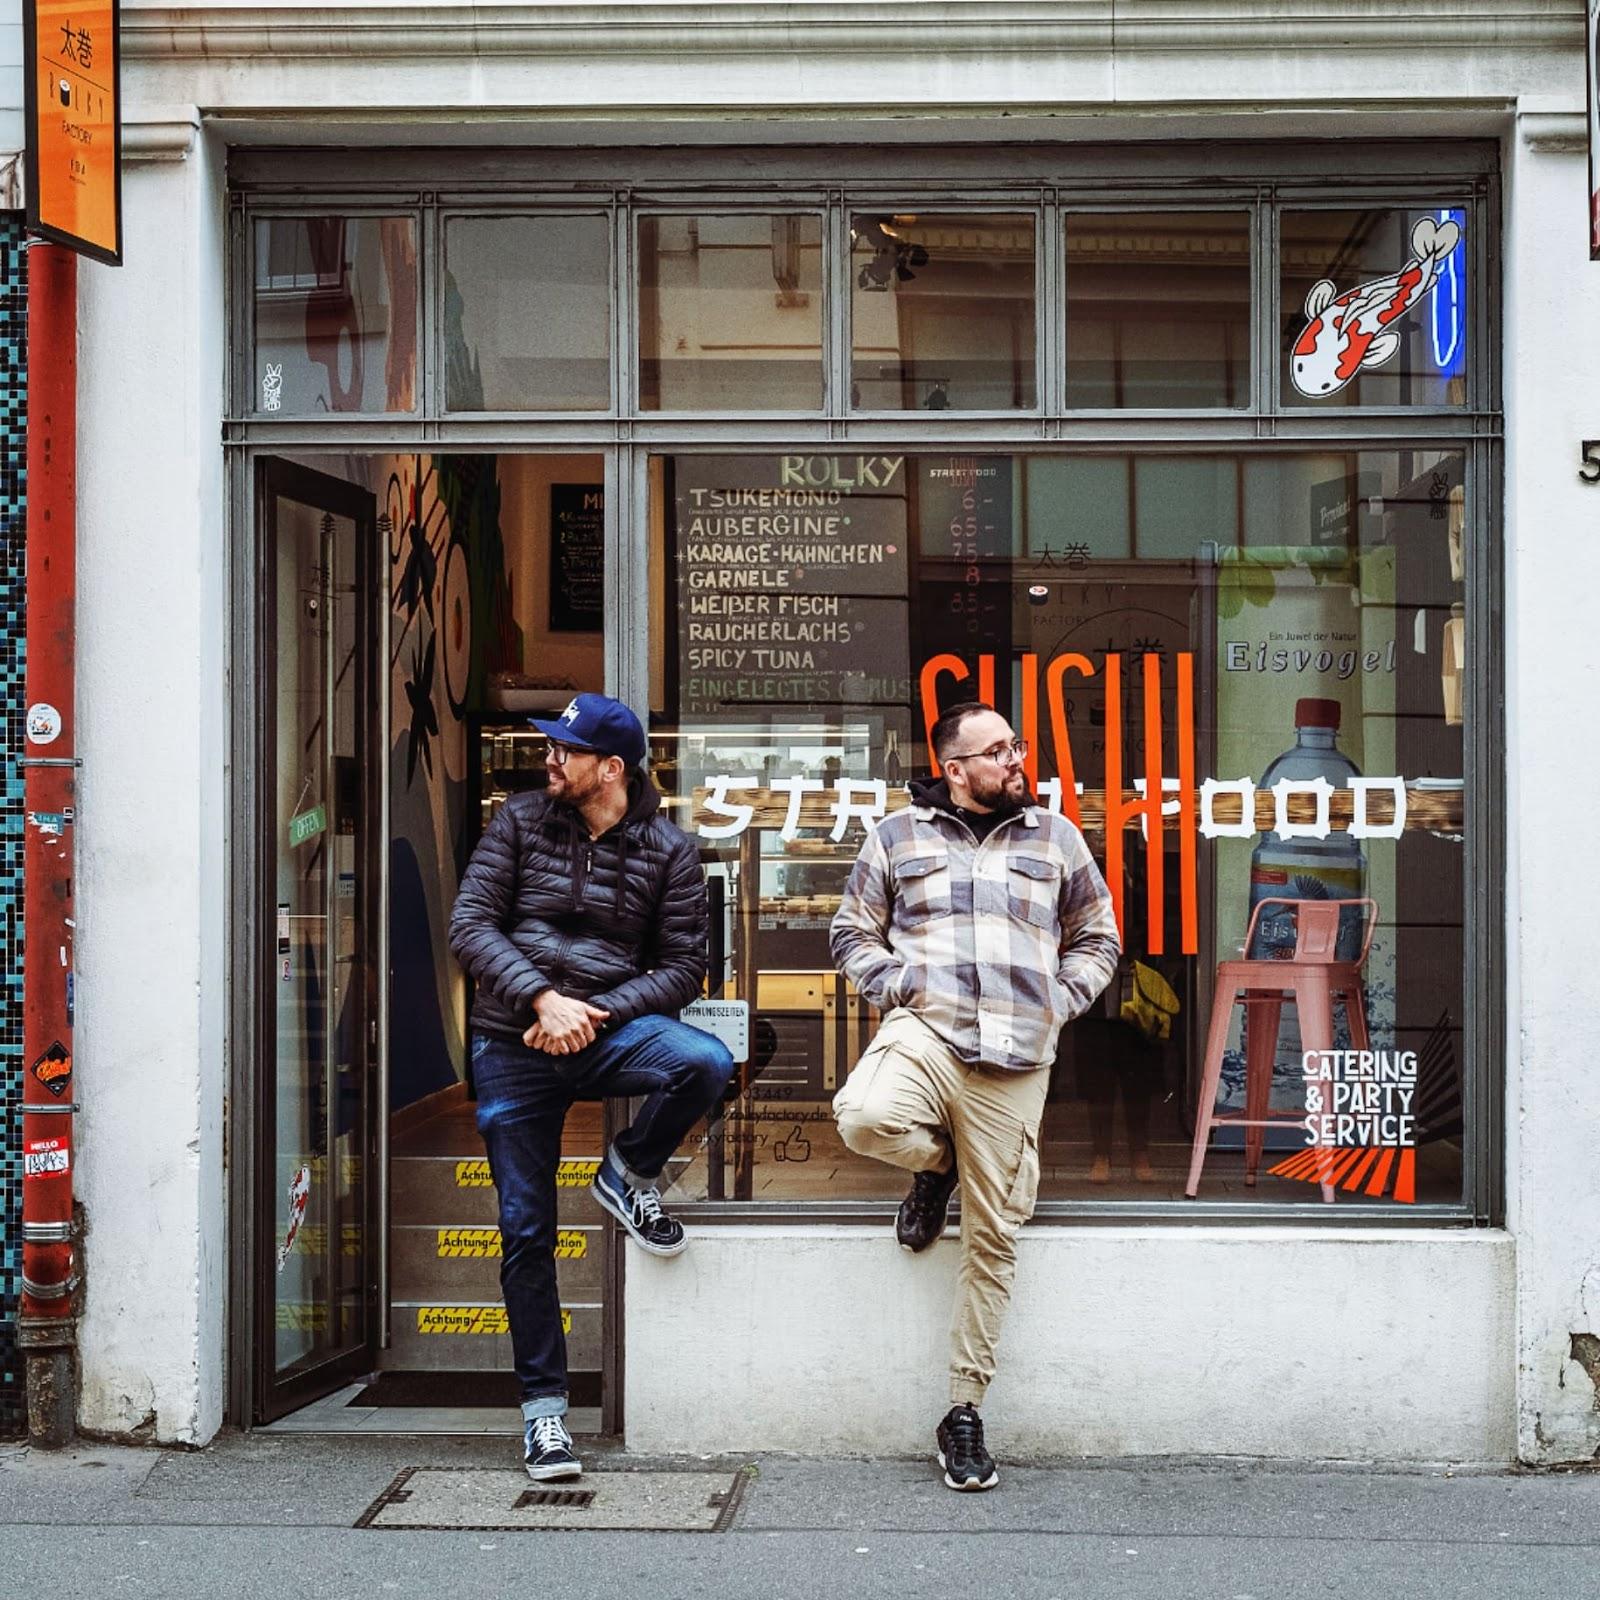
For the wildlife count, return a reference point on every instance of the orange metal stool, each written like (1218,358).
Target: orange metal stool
(1313,978)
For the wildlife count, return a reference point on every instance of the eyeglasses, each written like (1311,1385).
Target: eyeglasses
(1005,754)
(559,753)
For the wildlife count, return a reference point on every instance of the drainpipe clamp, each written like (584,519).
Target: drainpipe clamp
(49,1291)
(47,1232)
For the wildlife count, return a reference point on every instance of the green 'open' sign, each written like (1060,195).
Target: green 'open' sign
(307,825)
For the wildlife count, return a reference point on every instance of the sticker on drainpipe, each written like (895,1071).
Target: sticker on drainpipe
(42,1157)
(44,723)
(54,1068)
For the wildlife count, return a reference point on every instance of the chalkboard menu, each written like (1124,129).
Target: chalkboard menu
(791,582)
(577,557)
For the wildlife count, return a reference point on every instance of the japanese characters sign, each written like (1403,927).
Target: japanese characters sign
(74,125)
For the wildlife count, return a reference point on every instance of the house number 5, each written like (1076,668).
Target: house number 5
(1590,470)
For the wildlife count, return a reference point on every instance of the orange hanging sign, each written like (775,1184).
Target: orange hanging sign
(75,125)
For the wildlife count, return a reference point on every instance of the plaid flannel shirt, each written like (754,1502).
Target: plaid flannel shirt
(994,945)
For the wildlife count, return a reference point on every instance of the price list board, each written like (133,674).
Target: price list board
(792,583)
(577,557)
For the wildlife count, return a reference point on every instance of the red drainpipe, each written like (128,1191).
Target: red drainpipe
(48,1328)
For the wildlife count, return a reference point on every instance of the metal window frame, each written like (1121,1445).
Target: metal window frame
(570,207)
(241,277)
(1483,1013)
(718,206)
(1469,196)
(1028,202)
(1253,203)
(1053,181)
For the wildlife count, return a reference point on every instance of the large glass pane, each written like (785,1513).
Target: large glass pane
(320,1113)
(1158,309)
(1374,307)
(942,312)
(335,315)
(1210,627)
(527,313)
(730,313)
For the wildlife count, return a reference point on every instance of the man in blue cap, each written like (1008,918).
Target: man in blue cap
(582,920)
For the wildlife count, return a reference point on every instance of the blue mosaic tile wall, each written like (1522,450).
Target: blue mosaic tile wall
(13,472)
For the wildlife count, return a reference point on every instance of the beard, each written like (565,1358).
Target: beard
(996,789)
(567,789)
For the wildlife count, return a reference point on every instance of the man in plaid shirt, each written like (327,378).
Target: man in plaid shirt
(979,923)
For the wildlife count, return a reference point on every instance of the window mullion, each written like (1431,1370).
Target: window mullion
(624,319)
(1051,315)
(430,348)
(1264,299)
(836,327)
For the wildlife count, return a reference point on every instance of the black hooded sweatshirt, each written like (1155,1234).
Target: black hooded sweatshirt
(935,792)
(619,921)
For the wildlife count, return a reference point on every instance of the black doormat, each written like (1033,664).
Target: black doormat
(492,1391)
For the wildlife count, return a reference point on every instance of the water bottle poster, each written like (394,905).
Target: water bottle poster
(1307,658)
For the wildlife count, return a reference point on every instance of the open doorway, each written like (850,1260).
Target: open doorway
(467,592)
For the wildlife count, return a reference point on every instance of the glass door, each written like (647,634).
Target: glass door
(316,1242)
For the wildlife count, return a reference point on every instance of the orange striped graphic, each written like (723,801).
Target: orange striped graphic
(1361,1168)
(1352,1167)
(1381,1176)
(1345,1160)
(1405,1186)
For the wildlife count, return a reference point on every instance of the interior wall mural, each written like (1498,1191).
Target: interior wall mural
(450,626)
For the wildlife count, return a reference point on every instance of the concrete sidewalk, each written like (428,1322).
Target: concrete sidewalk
(273,1516)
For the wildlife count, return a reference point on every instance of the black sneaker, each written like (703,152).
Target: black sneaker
(967,1465)
(921,1217)
(639,1211)
(547,1450)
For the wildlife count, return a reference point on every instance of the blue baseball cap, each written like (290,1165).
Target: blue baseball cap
(599,723)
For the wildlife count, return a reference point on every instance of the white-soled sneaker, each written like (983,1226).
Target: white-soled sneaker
(639,1211)
(547,1450)
(968,1466)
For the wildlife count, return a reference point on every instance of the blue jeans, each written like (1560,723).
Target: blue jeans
(523,1097)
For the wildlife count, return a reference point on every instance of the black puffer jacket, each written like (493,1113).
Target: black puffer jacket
(619,921)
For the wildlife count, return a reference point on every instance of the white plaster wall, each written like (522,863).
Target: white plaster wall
(1141,1341)
(1273,1342)
(1552,351)
(11,96)
(896,60)
(152,619)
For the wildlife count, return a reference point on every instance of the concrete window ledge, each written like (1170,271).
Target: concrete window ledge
(1339,1344)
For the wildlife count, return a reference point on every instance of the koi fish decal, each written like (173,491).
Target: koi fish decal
(299,1194)
(1346,335)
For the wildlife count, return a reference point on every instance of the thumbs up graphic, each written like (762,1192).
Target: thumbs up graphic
(794,1148)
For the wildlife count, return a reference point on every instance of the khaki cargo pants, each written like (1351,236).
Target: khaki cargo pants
(911,1101)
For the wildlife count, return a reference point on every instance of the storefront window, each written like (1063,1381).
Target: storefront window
(1374,307)
(730,313)
(1158,310)
(1237,614)
(1272,642)
(527,313)
(335,315)
(942,312)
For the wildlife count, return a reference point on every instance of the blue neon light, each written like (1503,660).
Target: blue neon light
(1447,306)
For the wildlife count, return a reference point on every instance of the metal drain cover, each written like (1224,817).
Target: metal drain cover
(494,1499)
